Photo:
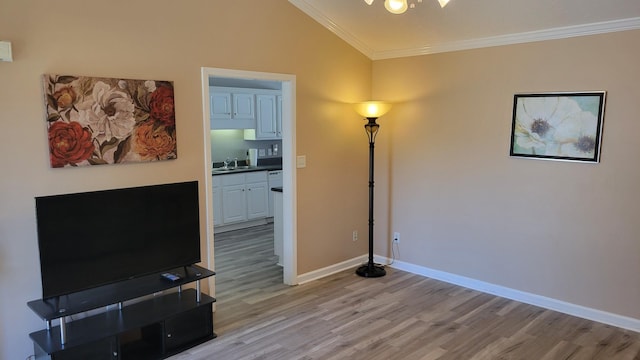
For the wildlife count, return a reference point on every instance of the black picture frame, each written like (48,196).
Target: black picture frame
(563,126)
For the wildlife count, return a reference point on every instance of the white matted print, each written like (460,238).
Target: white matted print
(558,126)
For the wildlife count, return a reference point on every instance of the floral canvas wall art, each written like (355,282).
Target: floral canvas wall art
(558,126)
(97,121)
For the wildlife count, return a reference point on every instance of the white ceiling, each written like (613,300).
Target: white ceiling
(466,24)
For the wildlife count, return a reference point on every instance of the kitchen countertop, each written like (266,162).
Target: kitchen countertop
(242,169)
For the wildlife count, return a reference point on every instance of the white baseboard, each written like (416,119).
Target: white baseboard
(329,270)
(604,317)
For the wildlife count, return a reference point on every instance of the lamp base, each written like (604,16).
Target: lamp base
(371,271)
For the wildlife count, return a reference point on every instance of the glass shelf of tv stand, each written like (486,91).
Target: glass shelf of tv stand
(117,293)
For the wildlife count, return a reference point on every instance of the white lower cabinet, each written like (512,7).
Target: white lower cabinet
(244,197)
(257,195)
(217,201)
(234,207)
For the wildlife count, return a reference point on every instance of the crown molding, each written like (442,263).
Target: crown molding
(510,39)
(316,15)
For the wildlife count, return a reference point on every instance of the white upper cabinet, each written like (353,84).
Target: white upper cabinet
(243,106)
(258,111)
(279,116)
(268,118)
(220,104)
(232,108)
(266,125)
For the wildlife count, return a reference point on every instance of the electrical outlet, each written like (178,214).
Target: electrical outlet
(355,235)
(396,237)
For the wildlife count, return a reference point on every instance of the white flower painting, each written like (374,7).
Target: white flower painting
(99,121)
(558,126)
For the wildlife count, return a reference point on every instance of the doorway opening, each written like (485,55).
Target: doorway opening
(288,86)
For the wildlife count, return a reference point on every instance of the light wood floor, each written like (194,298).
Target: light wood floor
(400,316)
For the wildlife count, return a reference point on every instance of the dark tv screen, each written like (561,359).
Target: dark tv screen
(96,238)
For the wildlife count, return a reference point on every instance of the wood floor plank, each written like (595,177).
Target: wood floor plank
(399,316)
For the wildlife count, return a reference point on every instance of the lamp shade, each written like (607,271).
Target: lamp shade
(372,109)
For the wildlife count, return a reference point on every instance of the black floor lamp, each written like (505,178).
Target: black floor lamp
(371,110)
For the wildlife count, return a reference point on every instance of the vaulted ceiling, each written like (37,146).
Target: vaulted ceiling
(466,24)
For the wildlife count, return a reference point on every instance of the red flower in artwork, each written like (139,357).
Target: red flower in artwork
(162,106)
(69,143)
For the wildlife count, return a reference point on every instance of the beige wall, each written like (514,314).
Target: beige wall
(443,175)
(172,40)
(567,231)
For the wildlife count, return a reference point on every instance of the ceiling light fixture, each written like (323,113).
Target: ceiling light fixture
(396,6)
(400,6)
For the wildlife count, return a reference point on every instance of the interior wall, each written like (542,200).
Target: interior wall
(172,40)
(563,230)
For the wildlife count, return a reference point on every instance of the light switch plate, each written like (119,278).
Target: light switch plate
(5,51)
(301,161)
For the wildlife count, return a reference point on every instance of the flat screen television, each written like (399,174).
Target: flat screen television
(96,238)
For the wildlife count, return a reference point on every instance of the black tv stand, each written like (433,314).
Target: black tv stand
(153,325)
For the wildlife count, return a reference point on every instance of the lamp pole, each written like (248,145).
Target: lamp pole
(370,269)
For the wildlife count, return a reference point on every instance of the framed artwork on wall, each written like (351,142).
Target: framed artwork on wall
(565,126)
(98,121)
